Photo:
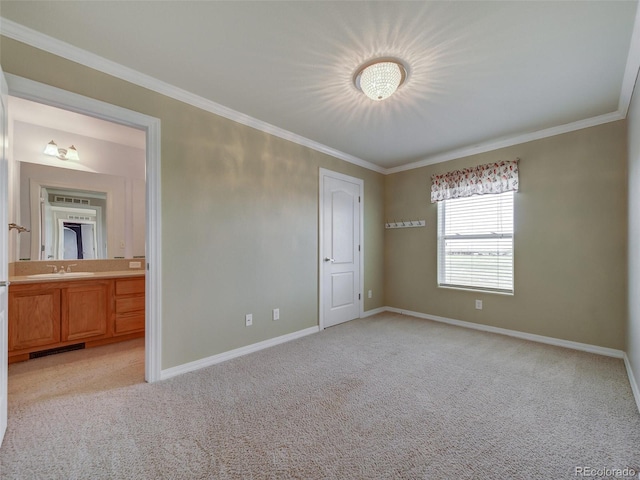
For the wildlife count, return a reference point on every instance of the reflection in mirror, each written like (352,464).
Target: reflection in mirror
(72,224)
(95,204)
(76,241)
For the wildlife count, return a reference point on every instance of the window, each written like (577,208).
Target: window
(475,242)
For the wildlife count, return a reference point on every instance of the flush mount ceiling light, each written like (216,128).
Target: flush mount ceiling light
(69,154)
(380,78)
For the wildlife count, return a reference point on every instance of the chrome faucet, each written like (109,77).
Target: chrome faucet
(62,270)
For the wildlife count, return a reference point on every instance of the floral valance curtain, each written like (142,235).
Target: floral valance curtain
(491,178)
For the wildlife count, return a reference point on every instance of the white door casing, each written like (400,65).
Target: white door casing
(340,262)
(39,92)
(4,254)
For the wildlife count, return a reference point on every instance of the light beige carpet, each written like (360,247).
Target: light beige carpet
(386,397)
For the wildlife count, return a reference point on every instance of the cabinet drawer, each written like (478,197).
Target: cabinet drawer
(129,323)
(129,286)
(129,304)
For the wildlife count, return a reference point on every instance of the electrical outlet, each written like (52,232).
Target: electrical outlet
(276,314)
(478,304)
(135,264)
(369,294)
(248,320)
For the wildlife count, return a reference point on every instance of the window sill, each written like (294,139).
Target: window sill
(469,289)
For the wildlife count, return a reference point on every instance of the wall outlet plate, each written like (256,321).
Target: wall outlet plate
(478,304)
(248,320)
(135,264)
(276,314)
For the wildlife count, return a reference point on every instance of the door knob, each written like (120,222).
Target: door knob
(327,259)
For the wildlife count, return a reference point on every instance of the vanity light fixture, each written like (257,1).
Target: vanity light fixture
(63,154)
(380,78)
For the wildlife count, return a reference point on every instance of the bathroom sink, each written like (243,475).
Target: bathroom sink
(61,275)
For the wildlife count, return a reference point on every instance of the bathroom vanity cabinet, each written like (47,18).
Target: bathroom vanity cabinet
(64,313)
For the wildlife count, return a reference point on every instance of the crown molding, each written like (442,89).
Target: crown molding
(631,71)
(508,142)
(632,67)
(62,49)
(49,44)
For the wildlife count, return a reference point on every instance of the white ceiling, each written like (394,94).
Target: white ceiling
(56,119)
(479,72)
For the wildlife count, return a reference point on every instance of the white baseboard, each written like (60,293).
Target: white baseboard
(632,381)
(375,311)
(585,347)
(238,352)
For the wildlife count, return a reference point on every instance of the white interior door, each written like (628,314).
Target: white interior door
(67,239)
(4,255)
(89,244)
(340,248)
(47,250)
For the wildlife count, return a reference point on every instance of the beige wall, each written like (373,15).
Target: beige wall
(240,227)
(239,216)
(570,241)
(633,325)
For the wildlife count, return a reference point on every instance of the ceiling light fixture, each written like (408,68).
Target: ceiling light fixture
(69,154)
(380,78)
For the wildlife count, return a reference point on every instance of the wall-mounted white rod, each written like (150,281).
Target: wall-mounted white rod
(405,224)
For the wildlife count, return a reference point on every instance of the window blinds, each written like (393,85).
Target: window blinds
(475,242)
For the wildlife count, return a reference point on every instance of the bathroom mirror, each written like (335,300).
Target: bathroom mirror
(72,224)
(90,208)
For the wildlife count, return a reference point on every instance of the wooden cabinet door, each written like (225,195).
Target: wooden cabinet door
(34,317)
(85,310)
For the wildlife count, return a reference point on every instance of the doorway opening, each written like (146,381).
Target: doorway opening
(151,262)
(77,214)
